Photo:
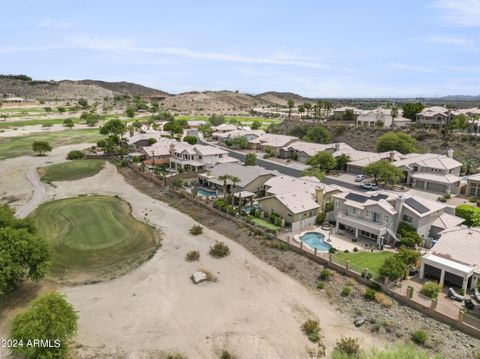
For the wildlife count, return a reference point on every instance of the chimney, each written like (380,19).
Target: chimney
(400,200)
(337,147)
(450,153)
(172,150)
(392,156)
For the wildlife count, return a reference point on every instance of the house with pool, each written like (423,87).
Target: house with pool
(377,216)
(186,157)
(251,178)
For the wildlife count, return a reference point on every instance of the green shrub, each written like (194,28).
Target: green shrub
(196,230)
(192,256)
(321,216)
(226,355)
(325,274)
(346,290)
(393,268)
(75,155)
(219,250)
(321,285)
(469,213)
(311,328)
(348,346)
(431,290)
(370,293)
(419,337)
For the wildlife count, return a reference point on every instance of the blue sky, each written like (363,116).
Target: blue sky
(339,48)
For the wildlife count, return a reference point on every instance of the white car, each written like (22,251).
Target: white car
(360,178)
(369,186)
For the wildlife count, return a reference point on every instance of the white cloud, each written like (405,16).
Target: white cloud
(128,45)
(459,12)
(452,40)
(409,67)
(51,24)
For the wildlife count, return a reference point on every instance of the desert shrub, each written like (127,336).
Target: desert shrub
(321,285)
(387,303)
(196,230)
(325,274)
(431,290)
(370,293)
(379,297)
(75,155)
(332,250)
(219,250)
(311,328)
(349,346)
(192,256)
(419,337)
(355,249)
(176,356)
(346,290)
(226,355)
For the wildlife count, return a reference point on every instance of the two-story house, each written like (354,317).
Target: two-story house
(377,216)
(271,141)
(184,156)
(435,116)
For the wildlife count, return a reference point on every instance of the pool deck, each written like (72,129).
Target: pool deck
(340,242)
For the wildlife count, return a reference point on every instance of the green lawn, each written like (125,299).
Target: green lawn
(22,145)
(359,260)
(53,121)
(70,171)
(22,109)
(94,235)
(263,223)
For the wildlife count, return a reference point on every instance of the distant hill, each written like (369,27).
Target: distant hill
(459,98)
(281,98)
(123,87)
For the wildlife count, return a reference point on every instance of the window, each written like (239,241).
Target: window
(376,217)
(407,218)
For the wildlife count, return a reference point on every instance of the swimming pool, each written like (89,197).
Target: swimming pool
(249,208)
(315,240)
(206,193)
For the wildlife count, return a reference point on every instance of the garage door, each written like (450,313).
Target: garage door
(453,280)
(436,187)
(355,170)
(419,184)
(432,272)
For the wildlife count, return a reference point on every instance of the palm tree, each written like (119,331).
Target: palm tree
(224,178)
(328,107)
(301,110)
(234,180)
(393,114)
(290,105)
(307,106)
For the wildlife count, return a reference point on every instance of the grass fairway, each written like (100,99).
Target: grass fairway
(22,146)
(93,238)
(70,171)
(360,260)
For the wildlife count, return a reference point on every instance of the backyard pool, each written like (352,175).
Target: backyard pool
(206,193)
(248,209)
(315,240)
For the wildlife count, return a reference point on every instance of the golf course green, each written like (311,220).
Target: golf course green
(93,237)
(70,171)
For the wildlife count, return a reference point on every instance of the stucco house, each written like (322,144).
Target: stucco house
(271,141)
(372,117)
(158,154)
(184,156)
(473,186)
(225,127)
(455,259)
(249,135)
(252,178)
(302,151)
(435,116)
(377,216)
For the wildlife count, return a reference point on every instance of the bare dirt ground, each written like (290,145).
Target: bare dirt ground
(253,310)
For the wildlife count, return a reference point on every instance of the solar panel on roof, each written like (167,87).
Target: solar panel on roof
(356,197)
(378,197)
(417,206)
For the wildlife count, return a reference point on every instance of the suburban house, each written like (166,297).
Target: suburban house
(455,259)
(158,154)
(271,141)
(361,159)
(143,138)
(184,156)
(298,209)
(249,135)
(473,186)
(302,151)
(195,124)
(372,117)
(251,178)
(377,216)
(296,200)
(225,127)
(431,171)
(435,116)
(339,112)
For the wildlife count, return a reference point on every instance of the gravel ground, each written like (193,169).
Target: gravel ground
(442,339)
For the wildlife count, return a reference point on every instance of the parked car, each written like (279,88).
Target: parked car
(360,178)
(369,186)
